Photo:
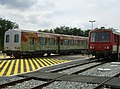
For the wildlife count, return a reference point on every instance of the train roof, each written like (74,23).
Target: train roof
(111,30)
(21,30)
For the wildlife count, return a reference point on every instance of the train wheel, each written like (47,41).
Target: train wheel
(48,54)
(16,56)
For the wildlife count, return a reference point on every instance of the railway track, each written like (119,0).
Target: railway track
(12,83)
(79,71)
(15,82)
(28,78)
(100,85)
(44,76)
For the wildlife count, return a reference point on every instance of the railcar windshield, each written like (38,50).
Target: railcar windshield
(100,37)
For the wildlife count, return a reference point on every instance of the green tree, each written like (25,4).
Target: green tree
(51,31)
(4,26)
(86,32)
(68,31)
(40,30)
(57,30)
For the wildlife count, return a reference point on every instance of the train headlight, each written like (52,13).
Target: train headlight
(107,47)
(90,47)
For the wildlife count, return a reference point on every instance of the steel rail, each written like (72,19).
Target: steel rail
(12,83)
(88,68)
(68,67)
(102,83)
(15,82)
(53,80)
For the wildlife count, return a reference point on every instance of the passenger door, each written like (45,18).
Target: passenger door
(32,41)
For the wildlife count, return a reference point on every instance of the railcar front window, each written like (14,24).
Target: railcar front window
(104,37)
(100,37)
(16,38)
(7,38)
(94,37)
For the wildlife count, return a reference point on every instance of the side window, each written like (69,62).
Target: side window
(7,38)
(77,42)
(16,38)
(81,42)
(71,42)
(31,40)
(52,41)
(42,41)
(85,42)
(115,39)
(66,42)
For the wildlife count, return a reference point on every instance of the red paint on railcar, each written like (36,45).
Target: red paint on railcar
(104,42)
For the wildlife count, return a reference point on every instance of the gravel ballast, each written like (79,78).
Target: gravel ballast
(26,85)
(72,70)
(4,80)
(108,70)
(69,85)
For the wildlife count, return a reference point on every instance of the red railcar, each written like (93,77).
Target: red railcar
(104,43)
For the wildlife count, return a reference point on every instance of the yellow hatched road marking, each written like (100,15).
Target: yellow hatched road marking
(5,67)
(22,66)
(10,68)
(63,60)
(44,62)
(48,61)
(40,62)
(60,60)
(32,65)
(2,63)
(51,61)
(16,66)
(66,60)
(56,61)
(38,66)
(27,65)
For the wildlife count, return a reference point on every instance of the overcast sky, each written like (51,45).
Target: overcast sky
(46,14)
